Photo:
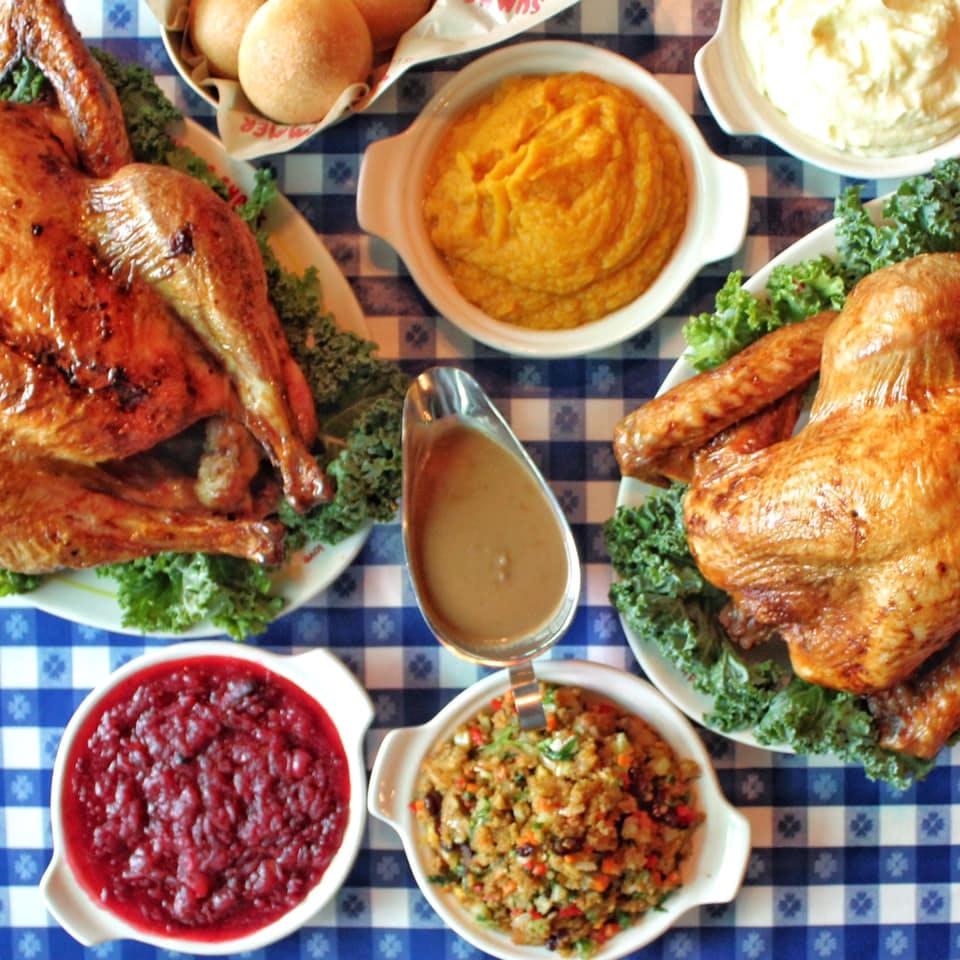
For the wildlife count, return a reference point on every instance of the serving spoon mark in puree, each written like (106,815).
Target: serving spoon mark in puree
(493,563)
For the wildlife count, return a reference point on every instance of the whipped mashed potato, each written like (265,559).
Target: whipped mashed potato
(874,77)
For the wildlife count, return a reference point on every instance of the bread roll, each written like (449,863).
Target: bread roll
(388,20)
(215,28)
(298,56)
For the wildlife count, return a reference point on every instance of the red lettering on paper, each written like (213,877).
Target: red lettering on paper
(259,127)
(516,7)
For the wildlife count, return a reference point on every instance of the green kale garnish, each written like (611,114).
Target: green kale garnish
(172,592)
(148,115)
(666,600)
(921,216)
(740,317)
(813,719)
(24,83)
(146,110)
(366,467)
(11,583)
(798,291)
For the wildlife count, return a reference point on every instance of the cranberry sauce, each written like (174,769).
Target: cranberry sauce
(205,797)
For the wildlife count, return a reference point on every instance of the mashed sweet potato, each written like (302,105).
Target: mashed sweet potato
(556,200)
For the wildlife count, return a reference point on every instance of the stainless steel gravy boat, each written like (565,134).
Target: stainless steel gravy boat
(439,394)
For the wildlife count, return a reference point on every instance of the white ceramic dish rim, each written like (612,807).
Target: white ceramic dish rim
(670,681)
(721,845)
(728,87)
(324,678)
(389,206)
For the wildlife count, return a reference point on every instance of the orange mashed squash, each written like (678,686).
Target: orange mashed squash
(556,200)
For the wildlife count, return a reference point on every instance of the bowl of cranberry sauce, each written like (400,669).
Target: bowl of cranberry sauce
(208,797)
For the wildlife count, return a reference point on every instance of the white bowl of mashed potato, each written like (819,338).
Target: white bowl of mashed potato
(861,88)
(590,837)
(553,199)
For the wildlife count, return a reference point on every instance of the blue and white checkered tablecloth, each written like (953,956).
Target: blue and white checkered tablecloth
(841,866)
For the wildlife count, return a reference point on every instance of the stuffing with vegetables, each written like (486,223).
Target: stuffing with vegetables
(560,836)
(834,536)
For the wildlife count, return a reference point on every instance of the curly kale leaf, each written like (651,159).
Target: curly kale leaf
(171,592)
(638,537)
(813,719)
(24,83)
(11,583)
(797,291)
(149,117)
(921,216)
(366,469)
(739,317)
(667,602)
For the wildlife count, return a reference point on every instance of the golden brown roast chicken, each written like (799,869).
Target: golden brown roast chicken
(133,306)
(841,537)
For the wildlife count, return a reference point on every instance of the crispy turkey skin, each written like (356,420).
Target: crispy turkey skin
(839,537)
(133,306)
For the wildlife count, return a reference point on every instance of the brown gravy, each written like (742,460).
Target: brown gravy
(486,547)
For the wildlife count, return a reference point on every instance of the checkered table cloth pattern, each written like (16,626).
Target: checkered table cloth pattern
(841,867)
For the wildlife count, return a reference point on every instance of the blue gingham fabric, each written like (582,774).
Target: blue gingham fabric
(841,866)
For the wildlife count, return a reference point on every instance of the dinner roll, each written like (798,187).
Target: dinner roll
(215,27)
(388,20)
(298,56)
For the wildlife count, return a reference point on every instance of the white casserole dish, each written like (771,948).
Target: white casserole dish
(712,873)
(390,197)
(327,681)
(727,83)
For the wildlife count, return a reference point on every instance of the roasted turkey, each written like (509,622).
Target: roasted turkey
(840,536)
(133,308)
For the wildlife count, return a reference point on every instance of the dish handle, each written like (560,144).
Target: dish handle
(386,798)
(351,707)
(728,201)
(72,908)
(716,74)
(380,186)
(725,859)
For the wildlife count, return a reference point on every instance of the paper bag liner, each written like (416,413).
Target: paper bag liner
(449,28)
